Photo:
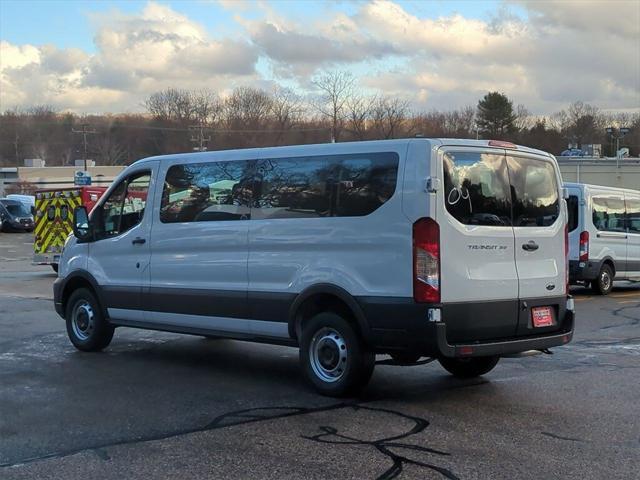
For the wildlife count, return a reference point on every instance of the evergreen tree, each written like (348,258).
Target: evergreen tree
(495,116)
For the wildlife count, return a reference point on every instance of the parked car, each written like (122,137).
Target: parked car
(604,235)
(451,249)
(572,152)
(15,217)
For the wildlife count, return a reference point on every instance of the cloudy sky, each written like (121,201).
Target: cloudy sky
(108,56)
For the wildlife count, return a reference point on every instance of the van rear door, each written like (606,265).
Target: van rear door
(539,229)
(479,283)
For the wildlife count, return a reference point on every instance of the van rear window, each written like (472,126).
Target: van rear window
(477,188)
(535,192)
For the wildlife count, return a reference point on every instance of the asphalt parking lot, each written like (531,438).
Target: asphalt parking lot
(157,405)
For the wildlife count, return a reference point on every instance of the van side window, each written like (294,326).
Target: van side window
(205,192)
(324,186)
(608,214)
(535,192)
(633,214)
(476,188)
(124,208)
(573,205)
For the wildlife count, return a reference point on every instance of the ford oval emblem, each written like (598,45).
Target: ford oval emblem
(551,286)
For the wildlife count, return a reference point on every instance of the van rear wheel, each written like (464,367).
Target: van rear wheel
(333,357)
(87,328)
(469,367)
(604,283)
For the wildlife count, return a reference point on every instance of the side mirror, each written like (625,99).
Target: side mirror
(33,211)
(565,193)
(81,225)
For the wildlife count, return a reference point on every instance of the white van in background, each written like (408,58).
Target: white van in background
(604,235)
(451,249)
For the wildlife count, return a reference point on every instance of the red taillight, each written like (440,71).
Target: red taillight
(584,246)
(426,261)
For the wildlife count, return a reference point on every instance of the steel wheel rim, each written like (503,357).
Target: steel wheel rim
(329,355)
(82,320)
(606,280)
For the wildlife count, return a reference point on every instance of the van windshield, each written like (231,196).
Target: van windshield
(17,209)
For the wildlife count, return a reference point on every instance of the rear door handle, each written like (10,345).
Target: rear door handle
(530,246)
(138,241)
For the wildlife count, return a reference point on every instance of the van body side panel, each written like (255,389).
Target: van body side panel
(606,242)
(198,268)
(364,255)
(120,267)
(633,233)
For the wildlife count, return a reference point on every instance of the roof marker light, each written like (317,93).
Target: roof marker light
(502,144)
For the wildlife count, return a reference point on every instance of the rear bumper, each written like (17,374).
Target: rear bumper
(504,347)
(466,329)
(583,271)
(46,258)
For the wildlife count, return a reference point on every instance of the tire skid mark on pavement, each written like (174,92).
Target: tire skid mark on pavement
(387,446)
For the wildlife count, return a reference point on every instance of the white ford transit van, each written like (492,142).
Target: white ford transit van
(604,235)
(451,249)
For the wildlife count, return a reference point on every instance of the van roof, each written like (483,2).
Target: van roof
(342,147)
(583,186)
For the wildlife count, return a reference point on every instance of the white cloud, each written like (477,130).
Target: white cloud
(558,53)
(136,55)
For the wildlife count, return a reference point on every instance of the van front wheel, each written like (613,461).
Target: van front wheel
(333,357)
(87,328)
(469,367)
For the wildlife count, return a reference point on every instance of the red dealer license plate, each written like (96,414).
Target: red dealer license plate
(542,316)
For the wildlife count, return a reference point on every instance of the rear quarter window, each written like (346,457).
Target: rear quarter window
(608,214)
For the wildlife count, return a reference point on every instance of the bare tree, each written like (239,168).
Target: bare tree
(388,116)
(358,113)
(523,120)
(247,108)
(335,88)
(287,110)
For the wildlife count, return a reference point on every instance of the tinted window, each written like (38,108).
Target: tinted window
(608,213)
(535,192)
(324,186)
(573,207)
(16,210)
(633,214)
(201,192)
(477,188)
(124,208)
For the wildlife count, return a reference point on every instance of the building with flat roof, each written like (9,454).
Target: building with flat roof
(55,177)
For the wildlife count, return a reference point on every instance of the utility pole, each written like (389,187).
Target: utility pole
(197,137)
(84,133)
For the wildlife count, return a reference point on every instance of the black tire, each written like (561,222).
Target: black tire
(604,283)
(55,267)
(87,328)
(469,367)
(340,364)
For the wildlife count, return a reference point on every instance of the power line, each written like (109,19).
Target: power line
(197,136)
(84,133)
